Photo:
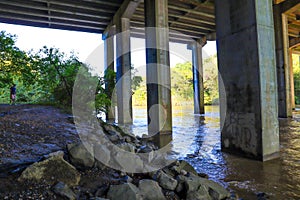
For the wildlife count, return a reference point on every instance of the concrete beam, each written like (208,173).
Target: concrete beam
(159,105)
(126,10)
(246,60)
(289,6)
(295,42)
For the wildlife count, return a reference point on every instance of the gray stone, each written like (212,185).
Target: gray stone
(145,149)
(57,153)
(201,188)
(127,147)
(200,194)
(127,161)
(216,191)
(166,181)
(183,165)
(125,191)
(172,195)
(114,138)
(102,153)
(53,170)
(150,190)
(80,156)
(64,191)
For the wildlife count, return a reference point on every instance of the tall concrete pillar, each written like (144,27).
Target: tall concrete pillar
(124,92)
(158,71)
(198,86)
(282,63)
(246,60)
(293,103)
(287,65)
(108,39)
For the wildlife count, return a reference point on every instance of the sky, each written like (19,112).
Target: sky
(89,47)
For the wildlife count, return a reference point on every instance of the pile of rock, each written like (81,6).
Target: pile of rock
(178,180)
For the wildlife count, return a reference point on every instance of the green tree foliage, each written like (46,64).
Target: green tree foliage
(48,76)
(296,70)
(15,65)
(182,83)
(210,80)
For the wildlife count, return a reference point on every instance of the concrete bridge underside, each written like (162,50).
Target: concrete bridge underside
(255,40)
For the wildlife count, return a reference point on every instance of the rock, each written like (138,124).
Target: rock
(114,138)
(64,191)
(102,191)
(150,190)
(166,181)
(183,165)
(127,179)
(102,153)
(145,149)
(216,191)
(127,147)
(183,172)
(172,195)
(127,139)
(80,156)
(53,170)
(57,153)
(200,194)
(128,162)
(125,191)
(198,188)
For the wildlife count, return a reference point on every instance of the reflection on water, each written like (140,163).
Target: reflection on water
(196,138)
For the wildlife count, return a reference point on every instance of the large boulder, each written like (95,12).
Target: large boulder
(52,170)
(166,181)
(127,147)
(102,154)
(197,188)
(80,156)
(150,190)
(125,191)
(184,166)
(126,161)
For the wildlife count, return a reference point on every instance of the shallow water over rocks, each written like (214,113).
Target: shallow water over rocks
(196,138)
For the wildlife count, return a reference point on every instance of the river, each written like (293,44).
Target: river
(196,138)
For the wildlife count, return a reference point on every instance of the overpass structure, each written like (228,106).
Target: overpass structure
(255,40)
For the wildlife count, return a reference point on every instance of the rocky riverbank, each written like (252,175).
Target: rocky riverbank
(75,172)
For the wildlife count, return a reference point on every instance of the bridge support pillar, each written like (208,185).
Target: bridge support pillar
(198,86)
(282,62)
(246,59)
(158,71)
(108,39)
(124,92)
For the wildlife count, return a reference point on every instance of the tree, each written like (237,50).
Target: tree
(15,65)
(182,81)
(47,76)
(210,80)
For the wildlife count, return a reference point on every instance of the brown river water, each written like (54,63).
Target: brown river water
(197,139)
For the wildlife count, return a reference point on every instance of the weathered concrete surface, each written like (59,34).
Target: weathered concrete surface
(198,86)
(123,71)
(246,58)
(109,65)
(280,62)
(158,68)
